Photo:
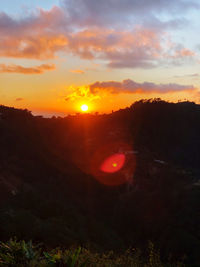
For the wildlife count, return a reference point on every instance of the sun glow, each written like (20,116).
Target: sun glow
(84,107)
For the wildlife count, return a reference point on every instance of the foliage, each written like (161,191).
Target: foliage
(22,254)
(14,253)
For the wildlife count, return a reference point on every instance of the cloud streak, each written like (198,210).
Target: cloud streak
(132,87)
(78,71)
(26,70)
(194,75)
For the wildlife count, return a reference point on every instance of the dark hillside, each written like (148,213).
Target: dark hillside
(53,190)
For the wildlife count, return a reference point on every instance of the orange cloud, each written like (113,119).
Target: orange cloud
(36,47)
(36,36)
(99,89)
(26,70)
(82,92)
(136,48)
(45,33)
(183,52)
(78,71)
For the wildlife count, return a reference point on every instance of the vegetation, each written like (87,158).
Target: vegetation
(19,253)
(51,189)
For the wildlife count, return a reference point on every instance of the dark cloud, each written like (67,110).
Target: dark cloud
(19,99)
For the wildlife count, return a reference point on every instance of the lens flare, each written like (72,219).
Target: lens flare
(113,163)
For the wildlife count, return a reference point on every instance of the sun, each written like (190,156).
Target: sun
(84,107)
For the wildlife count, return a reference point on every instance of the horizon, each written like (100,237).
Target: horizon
(60,54)
(50,114)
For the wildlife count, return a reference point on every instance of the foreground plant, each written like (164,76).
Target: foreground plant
(19,253)
(15,253)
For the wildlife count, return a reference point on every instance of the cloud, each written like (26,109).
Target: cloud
(81,92)
(123,34)
(39,35)
(26,70)
(99,89)
(178,52)
(194,75)
(78,71)
(132,87)
(133,48)
(107,12)
(19,99)
(137,48)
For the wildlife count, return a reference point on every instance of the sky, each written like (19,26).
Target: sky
(56,55)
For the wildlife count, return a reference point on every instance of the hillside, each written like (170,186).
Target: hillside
(52,189)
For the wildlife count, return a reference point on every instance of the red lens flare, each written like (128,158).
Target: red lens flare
(113,163)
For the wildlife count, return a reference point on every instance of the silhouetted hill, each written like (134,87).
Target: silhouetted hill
(52,188)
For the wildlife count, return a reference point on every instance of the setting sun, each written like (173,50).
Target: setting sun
(84,107)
